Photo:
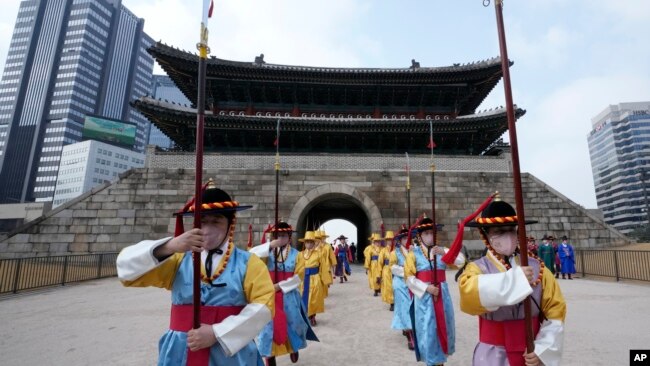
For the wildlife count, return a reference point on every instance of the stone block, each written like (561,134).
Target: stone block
(106,213)
(79,247)
(126,213)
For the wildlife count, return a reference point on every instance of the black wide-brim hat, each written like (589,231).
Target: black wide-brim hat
(282,227)
(427,224)
(402,233)
(497,213)
(215,201)
(342,237)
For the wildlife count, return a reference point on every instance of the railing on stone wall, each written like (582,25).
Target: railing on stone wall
(619,264)
(21,274)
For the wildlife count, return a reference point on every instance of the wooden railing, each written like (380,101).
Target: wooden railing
(21,274)
(619,264)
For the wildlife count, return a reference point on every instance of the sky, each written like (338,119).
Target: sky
(572,58)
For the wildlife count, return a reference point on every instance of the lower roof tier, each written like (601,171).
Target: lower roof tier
(468,135)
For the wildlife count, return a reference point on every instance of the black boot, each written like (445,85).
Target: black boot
(376,293)
(270,361)
(392,307)
(409,336)
(341,279)
(294,357)
(563,276)
(345,278)
(570,276)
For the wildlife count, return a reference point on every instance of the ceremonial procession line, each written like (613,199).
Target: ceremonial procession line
(90,324)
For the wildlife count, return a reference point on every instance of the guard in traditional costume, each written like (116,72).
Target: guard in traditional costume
(401,319)
(343,257)
(327,253)
(372,263)
(567,258)
(432,313)
(236,290)
(547,254)
(312,269)
(289,330)
(493,288)
(386,274)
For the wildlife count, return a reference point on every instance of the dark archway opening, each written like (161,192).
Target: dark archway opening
(336,206)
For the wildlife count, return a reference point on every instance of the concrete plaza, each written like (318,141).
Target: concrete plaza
(102,323)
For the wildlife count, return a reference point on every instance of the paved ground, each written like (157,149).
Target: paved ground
(103,323)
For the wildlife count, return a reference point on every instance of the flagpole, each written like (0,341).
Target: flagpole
(274,233)
(433,185)
(516,171)
(408,190)
(200,116)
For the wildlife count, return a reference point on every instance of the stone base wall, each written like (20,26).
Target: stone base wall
(139,206)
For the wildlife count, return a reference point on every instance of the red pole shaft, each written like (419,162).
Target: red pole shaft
(516,171)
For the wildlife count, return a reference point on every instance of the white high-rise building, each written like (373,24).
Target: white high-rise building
(87,164)
(619,146)
(67,59)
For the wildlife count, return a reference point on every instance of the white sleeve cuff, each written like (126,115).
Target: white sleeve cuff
(136,260)
(460,258)
(397,270)
(417,287)
(262,250)
(289,284)
(501,289)
(549,342)
(236,331)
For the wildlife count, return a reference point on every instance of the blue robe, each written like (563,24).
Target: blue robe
(567,258)
(427,344)
(298,328)
(173,344)
(401,318)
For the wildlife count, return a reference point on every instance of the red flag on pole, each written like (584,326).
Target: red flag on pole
(432,145)
(211,9)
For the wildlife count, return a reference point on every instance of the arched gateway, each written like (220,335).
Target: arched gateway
(336,201)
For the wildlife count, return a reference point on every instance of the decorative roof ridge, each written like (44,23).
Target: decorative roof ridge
(184,108)
(487,112)
(489,62)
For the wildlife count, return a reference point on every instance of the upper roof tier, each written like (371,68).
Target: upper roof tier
(455,90)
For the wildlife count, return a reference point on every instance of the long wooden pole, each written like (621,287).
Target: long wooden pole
(516,171)
(200,116)
(274,234)
(408,191)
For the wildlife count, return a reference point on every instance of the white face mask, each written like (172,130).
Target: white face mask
(504,243)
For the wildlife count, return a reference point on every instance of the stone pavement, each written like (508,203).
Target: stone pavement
(102,323)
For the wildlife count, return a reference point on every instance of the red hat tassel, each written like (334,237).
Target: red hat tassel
(451,255)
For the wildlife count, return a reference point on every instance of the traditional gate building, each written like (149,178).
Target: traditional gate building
(344,133)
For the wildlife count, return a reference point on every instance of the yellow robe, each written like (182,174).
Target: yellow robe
(316,282)
(387,274)
(374,267)
(328,253)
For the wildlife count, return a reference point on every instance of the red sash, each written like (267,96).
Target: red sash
(509,334)
(438,306)
(181,320)
(280,317)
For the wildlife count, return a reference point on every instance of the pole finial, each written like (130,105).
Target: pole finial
(497,196)
(211,184)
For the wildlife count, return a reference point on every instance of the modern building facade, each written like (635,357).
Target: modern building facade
(87,164)
(66,59)
(163,88)
(619,146)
